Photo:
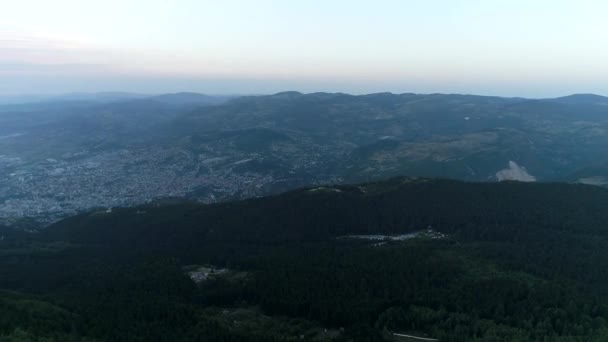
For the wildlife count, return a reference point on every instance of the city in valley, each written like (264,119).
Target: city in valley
(54,188)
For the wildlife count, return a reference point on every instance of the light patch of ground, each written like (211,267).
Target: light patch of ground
(200,274)
(405,337)
(242,161)
(440,150)
(515,173)
(429,233)
(8,136)
(596,180)
(324,189)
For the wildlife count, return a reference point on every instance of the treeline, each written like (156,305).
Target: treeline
(473,210)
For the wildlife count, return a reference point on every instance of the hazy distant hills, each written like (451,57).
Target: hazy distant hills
(64,156)
(456,136)
(101,97)
(115,118)
(584,99)
(186,98)
(109,97)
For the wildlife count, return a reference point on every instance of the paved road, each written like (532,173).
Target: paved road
(416,337)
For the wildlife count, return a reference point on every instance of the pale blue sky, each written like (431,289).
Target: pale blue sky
(514,48)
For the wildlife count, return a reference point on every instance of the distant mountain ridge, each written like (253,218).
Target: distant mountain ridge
(582,99)
(99,97)
(190,98)
(109,97)
(393,129)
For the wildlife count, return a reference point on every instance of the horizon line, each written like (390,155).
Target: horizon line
(43,97)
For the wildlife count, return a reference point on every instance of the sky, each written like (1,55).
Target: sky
(531,48)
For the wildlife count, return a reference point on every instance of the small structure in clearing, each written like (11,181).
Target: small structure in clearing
(204,273)
(428,233)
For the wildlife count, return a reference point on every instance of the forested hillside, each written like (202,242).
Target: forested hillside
(456,262)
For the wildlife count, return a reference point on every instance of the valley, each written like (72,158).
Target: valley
(66,157)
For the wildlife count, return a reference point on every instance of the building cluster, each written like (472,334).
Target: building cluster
(52,188)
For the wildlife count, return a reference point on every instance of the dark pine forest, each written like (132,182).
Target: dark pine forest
(486,262)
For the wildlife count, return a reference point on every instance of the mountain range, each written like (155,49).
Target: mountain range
(185,217)
(62,157)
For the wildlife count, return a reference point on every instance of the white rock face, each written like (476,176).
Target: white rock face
(515,173)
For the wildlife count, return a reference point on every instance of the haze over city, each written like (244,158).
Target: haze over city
(517,48)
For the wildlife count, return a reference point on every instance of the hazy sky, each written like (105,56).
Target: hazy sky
(515,48)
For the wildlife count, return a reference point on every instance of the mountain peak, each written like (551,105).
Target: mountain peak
(288,93)
(582,99)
